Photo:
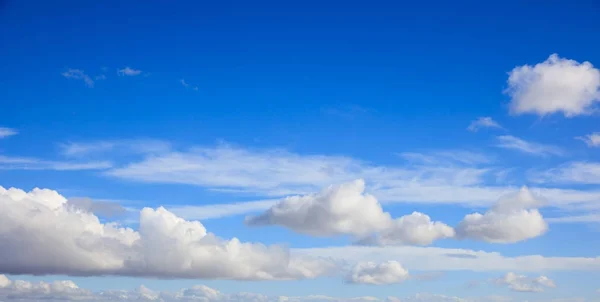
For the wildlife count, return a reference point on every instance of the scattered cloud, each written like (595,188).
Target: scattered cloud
(62,239)
(346,210)
(512,219)
(6,132)
(557,85)
(592,140)
(389,272)
(66,290)
(128,71)
(78,74)
(522,283)
(515,143)
(483,122)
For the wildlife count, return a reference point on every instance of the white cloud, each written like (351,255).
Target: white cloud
(187,85)
(131,146)
(6,132)
(416,258)
(279,173)
(483,122)
(514,218)
(128,71)
(346,210)
(574,172)
(522,283)
(388,272)
(592,140)
(586,218)
(555,85)
(515,143)
(78,74)
(61,239)
(222,210)
(24,163)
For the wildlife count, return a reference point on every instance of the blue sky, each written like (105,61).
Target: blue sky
(316,126)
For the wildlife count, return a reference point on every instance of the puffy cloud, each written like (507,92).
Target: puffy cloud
(555,85)
(483,122)
(58,290)
(513,218)
(388,272)
(40,233)
(592,140)
(515,143)
(346,210)
(522,283)
(6,132)
(128,71)
(78,74)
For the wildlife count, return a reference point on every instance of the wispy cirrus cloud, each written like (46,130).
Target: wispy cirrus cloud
(592,139)
(128,71)
(515,143)
(187,85)
(27,163)
(6,132)
(483,122)
(78,74)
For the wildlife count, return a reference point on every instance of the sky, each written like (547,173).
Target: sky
(299,151)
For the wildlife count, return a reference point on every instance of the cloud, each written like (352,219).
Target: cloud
(571,173)
(522,283)
(483,122)
(78,74)
(389,272)
(515,143)
(437,259)
(187,85)
(586,218)
(25,163)
(277,172)
(6,132)
(109,147)
(128,71)
(101,208)
(514,218)
(62,239)
(592,140)
(222,210)
(557,85)
(346,210)
(66,290)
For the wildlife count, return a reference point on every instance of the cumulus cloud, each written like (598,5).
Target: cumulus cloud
(6,132)
(515,143)
(128,71)
(557,85)
(78,74)
(388,272)
(513,218)
(483,122)
(62,239)
(346,209)
(522,283)
(592,140)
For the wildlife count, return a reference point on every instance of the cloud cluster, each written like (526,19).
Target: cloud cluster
(513,218)
(388,272)
(555,85)
(25,291)
(346,210)
(522,283)
(40,233)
